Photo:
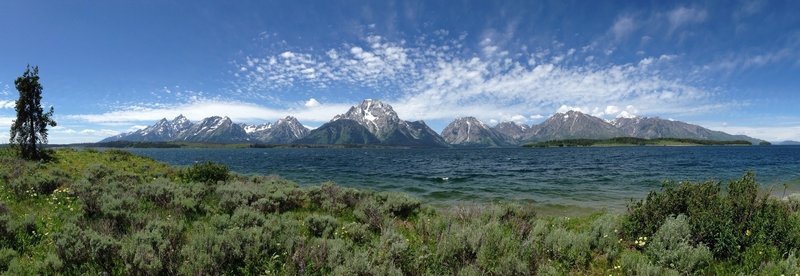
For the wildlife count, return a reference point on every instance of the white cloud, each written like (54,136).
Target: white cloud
(5,90)
(136,127)
(66,135)
(743,61)
(625,114)
(99,132)
(486,87)
(312,103)
(612,109)
(769,133)
(566,108)
(5,122)
(623,26)
(683,16)
(438,79)
(749,8)
(7,104)
(203,108)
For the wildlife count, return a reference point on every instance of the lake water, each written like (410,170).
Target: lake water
(590,177)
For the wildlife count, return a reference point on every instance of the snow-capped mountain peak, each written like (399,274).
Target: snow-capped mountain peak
(378,117)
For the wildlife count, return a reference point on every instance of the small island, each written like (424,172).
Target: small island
(633,141)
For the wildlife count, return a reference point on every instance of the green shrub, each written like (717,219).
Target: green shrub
(549,269)
(604,235)
(332,198)
(6,255)
(369,213)
(793,200)
(37,184)
(185,197)
(115,155)
(208,172)
(393,252)
(280,199)
(357,263)
(645,217)
(670,247)
(78,247)
(728,223)
(756,256)
(788,266)
(572,248)
(315,256)
(154,250)
(519,216)
(321,225)
(450,244)
(7,231)
(470,270)
(49,264)
(234,248)
(635,263)
(356,232)
(499,251)
(26,232)
(96,173)
(400,205)
(265,197)
(210,253)
(246,217)
(120,210)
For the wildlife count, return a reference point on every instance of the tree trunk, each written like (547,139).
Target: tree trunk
(32,140)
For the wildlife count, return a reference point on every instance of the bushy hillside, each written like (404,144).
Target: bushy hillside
(88,212)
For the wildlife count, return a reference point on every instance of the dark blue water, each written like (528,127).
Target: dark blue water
(590,177)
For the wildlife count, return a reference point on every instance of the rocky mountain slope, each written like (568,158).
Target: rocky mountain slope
(469,131)
(284,131)
(512,131)
(572,125)
(649,128)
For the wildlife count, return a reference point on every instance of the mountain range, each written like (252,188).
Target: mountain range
(373,122)
(216,130)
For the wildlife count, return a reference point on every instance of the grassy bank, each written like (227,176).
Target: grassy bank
(632,141)
(92,212)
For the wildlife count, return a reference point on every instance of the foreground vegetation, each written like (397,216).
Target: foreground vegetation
(89,212)
(633,141)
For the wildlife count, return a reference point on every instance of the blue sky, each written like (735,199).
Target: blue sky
(115,66)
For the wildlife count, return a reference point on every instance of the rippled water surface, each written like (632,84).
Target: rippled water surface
(591,177)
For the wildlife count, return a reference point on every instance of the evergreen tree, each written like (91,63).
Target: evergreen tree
(29,130)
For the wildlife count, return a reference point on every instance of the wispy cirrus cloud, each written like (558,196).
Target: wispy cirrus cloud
(684,16)
(786,51)
(440,78)
(623,26)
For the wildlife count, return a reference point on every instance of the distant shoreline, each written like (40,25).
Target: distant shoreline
(633,142)
(613,142)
